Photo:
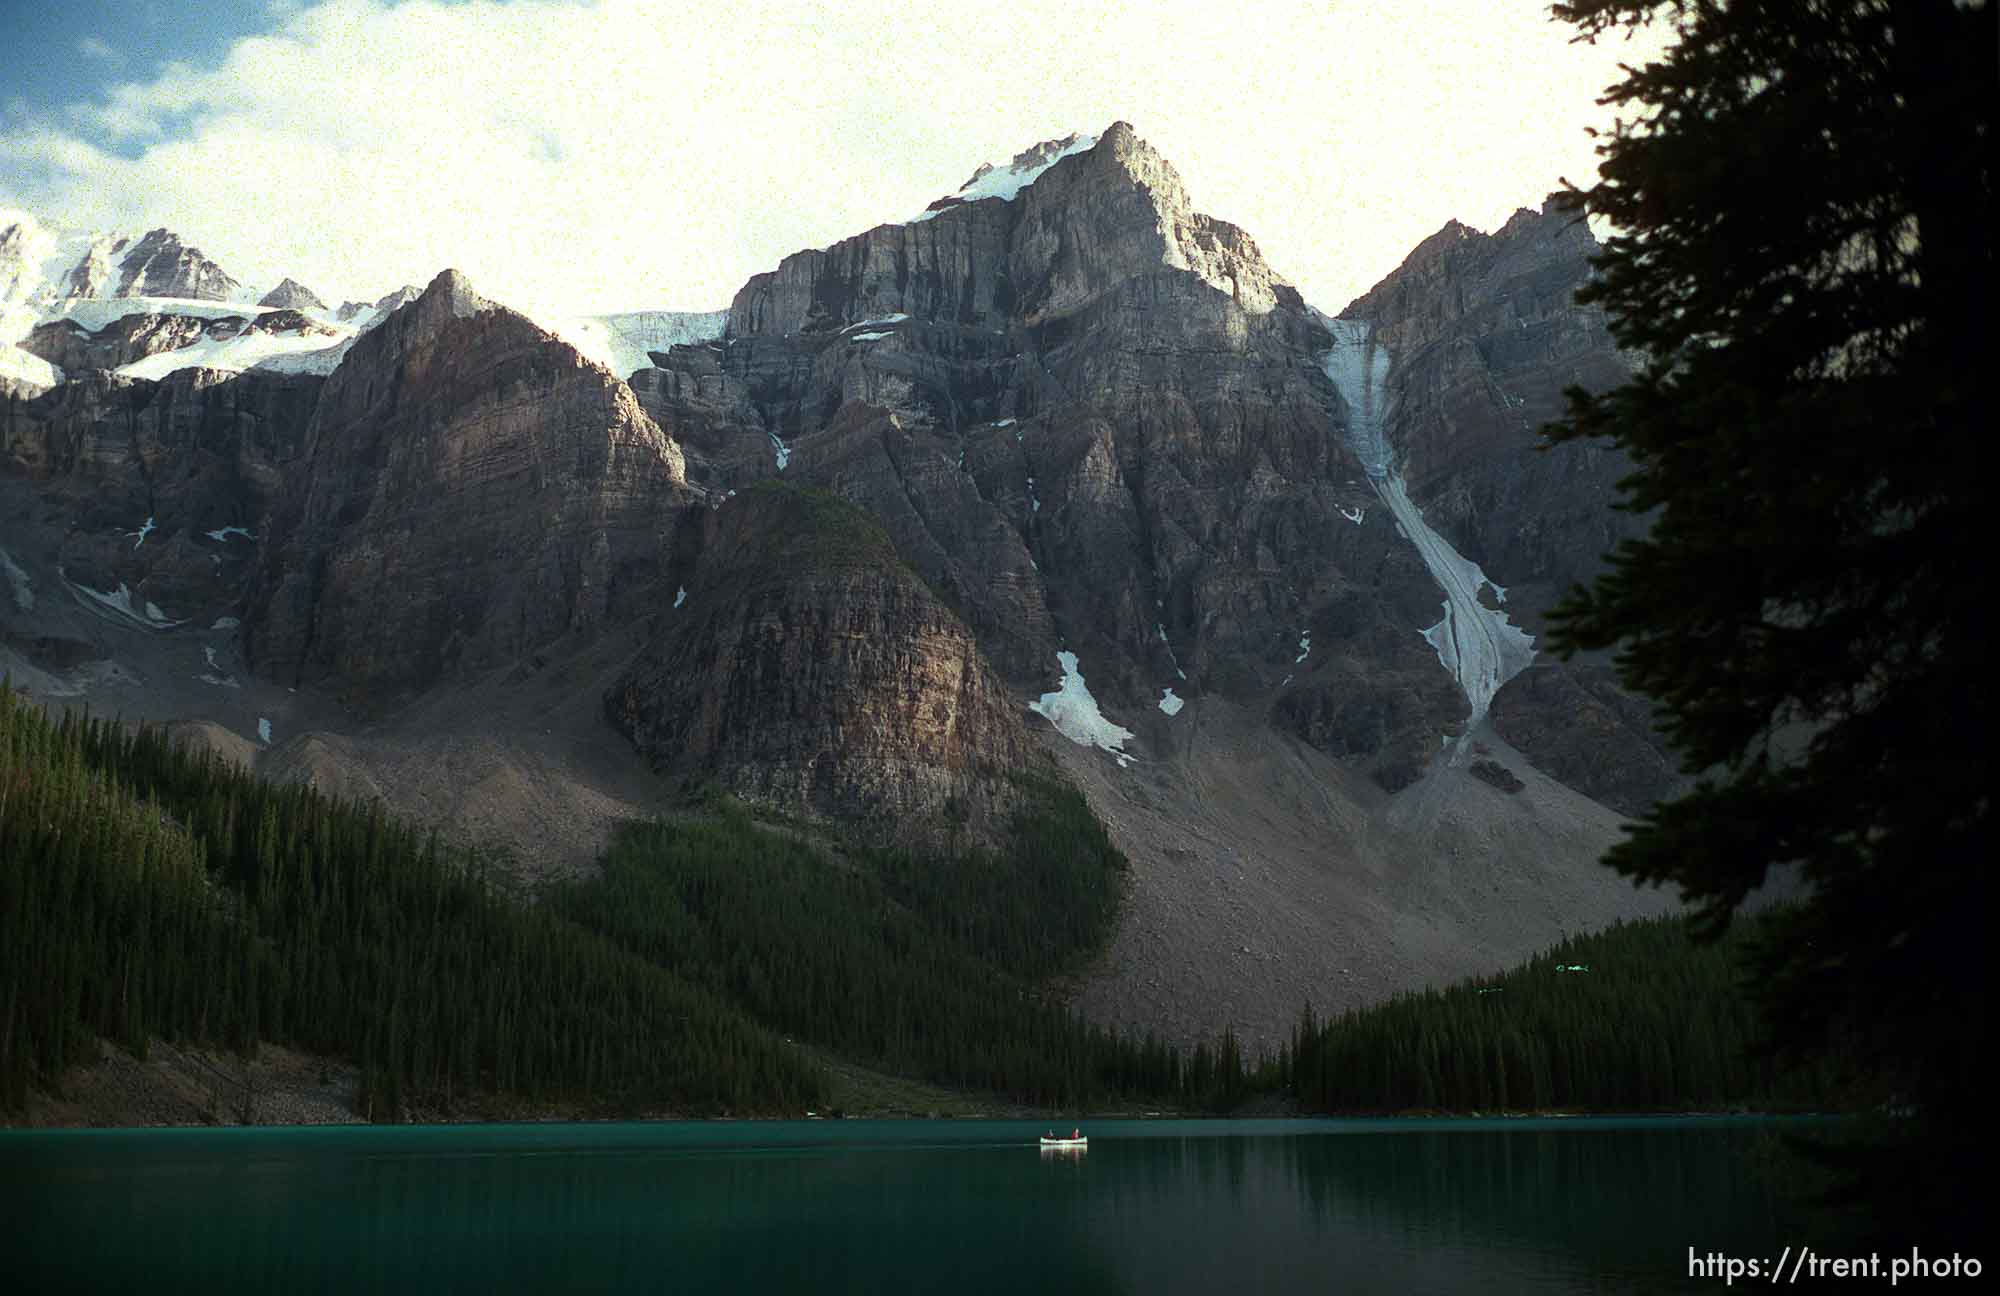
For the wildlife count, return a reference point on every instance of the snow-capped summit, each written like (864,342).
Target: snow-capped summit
(1006,182)
(44,268)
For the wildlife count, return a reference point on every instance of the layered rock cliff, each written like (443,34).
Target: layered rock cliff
(800,664)
(159,488)
(472,490)
(1094,420)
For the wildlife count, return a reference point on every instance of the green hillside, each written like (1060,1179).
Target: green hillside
(150,892)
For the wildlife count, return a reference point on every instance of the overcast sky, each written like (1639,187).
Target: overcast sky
(575,157)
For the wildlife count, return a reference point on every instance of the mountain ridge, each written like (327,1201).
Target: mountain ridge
(1099,435)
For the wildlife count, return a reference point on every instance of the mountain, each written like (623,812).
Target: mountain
(290,294)
(1119,446)
(1060,475)
(42,266)
(471,492)
(143,306)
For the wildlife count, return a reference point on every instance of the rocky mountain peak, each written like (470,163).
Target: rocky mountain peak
(474,490)
(292,295)
(1075,218)
(161,265)
(1536,260)
(408,320)
(452,293)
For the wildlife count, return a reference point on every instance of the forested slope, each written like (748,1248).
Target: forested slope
(1639,1017)
(147,891)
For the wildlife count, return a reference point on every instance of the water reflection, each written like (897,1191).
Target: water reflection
(868,1206)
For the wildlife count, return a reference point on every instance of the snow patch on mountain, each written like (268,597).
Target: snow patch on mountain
(121,605)
(22,367)
(1073,711)
(1006,183)
(883,322)
(295,352)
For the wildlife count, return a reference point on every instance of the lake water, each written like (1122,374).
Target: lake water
(1576,1205)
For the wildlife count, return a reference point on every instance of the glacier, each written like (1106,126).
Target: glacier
(1479,646)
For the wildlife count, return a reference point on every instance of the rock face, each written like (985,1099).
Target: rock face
(1578,726)
(43,266)
(1092,419)
(157,486)
(1484,335)
(473,489)
(292,295)
(1087,225)
(800,664)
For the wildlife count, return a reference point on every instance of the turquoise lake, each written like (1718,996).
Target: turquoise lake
(1560,1205)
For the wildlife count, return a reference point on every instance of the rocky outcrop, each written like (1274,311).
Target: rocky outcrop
(802,665)
(1575,722)
(290,294)
(357,312)
(473,490)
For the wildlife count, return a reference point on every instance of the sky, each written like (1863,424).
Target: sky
(585,156)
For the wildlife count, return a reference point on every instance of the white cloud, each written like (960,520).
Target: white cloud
(93,48)
(620,154)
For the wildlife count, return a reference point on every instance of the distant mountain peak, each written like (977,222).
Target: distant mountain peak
(452,290)
(290,294)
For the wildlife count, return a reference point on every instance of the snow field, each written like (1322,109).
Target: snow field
(1073,711)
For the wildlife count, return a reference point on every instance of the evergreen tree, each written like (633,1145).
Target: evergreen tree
(1802,196)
